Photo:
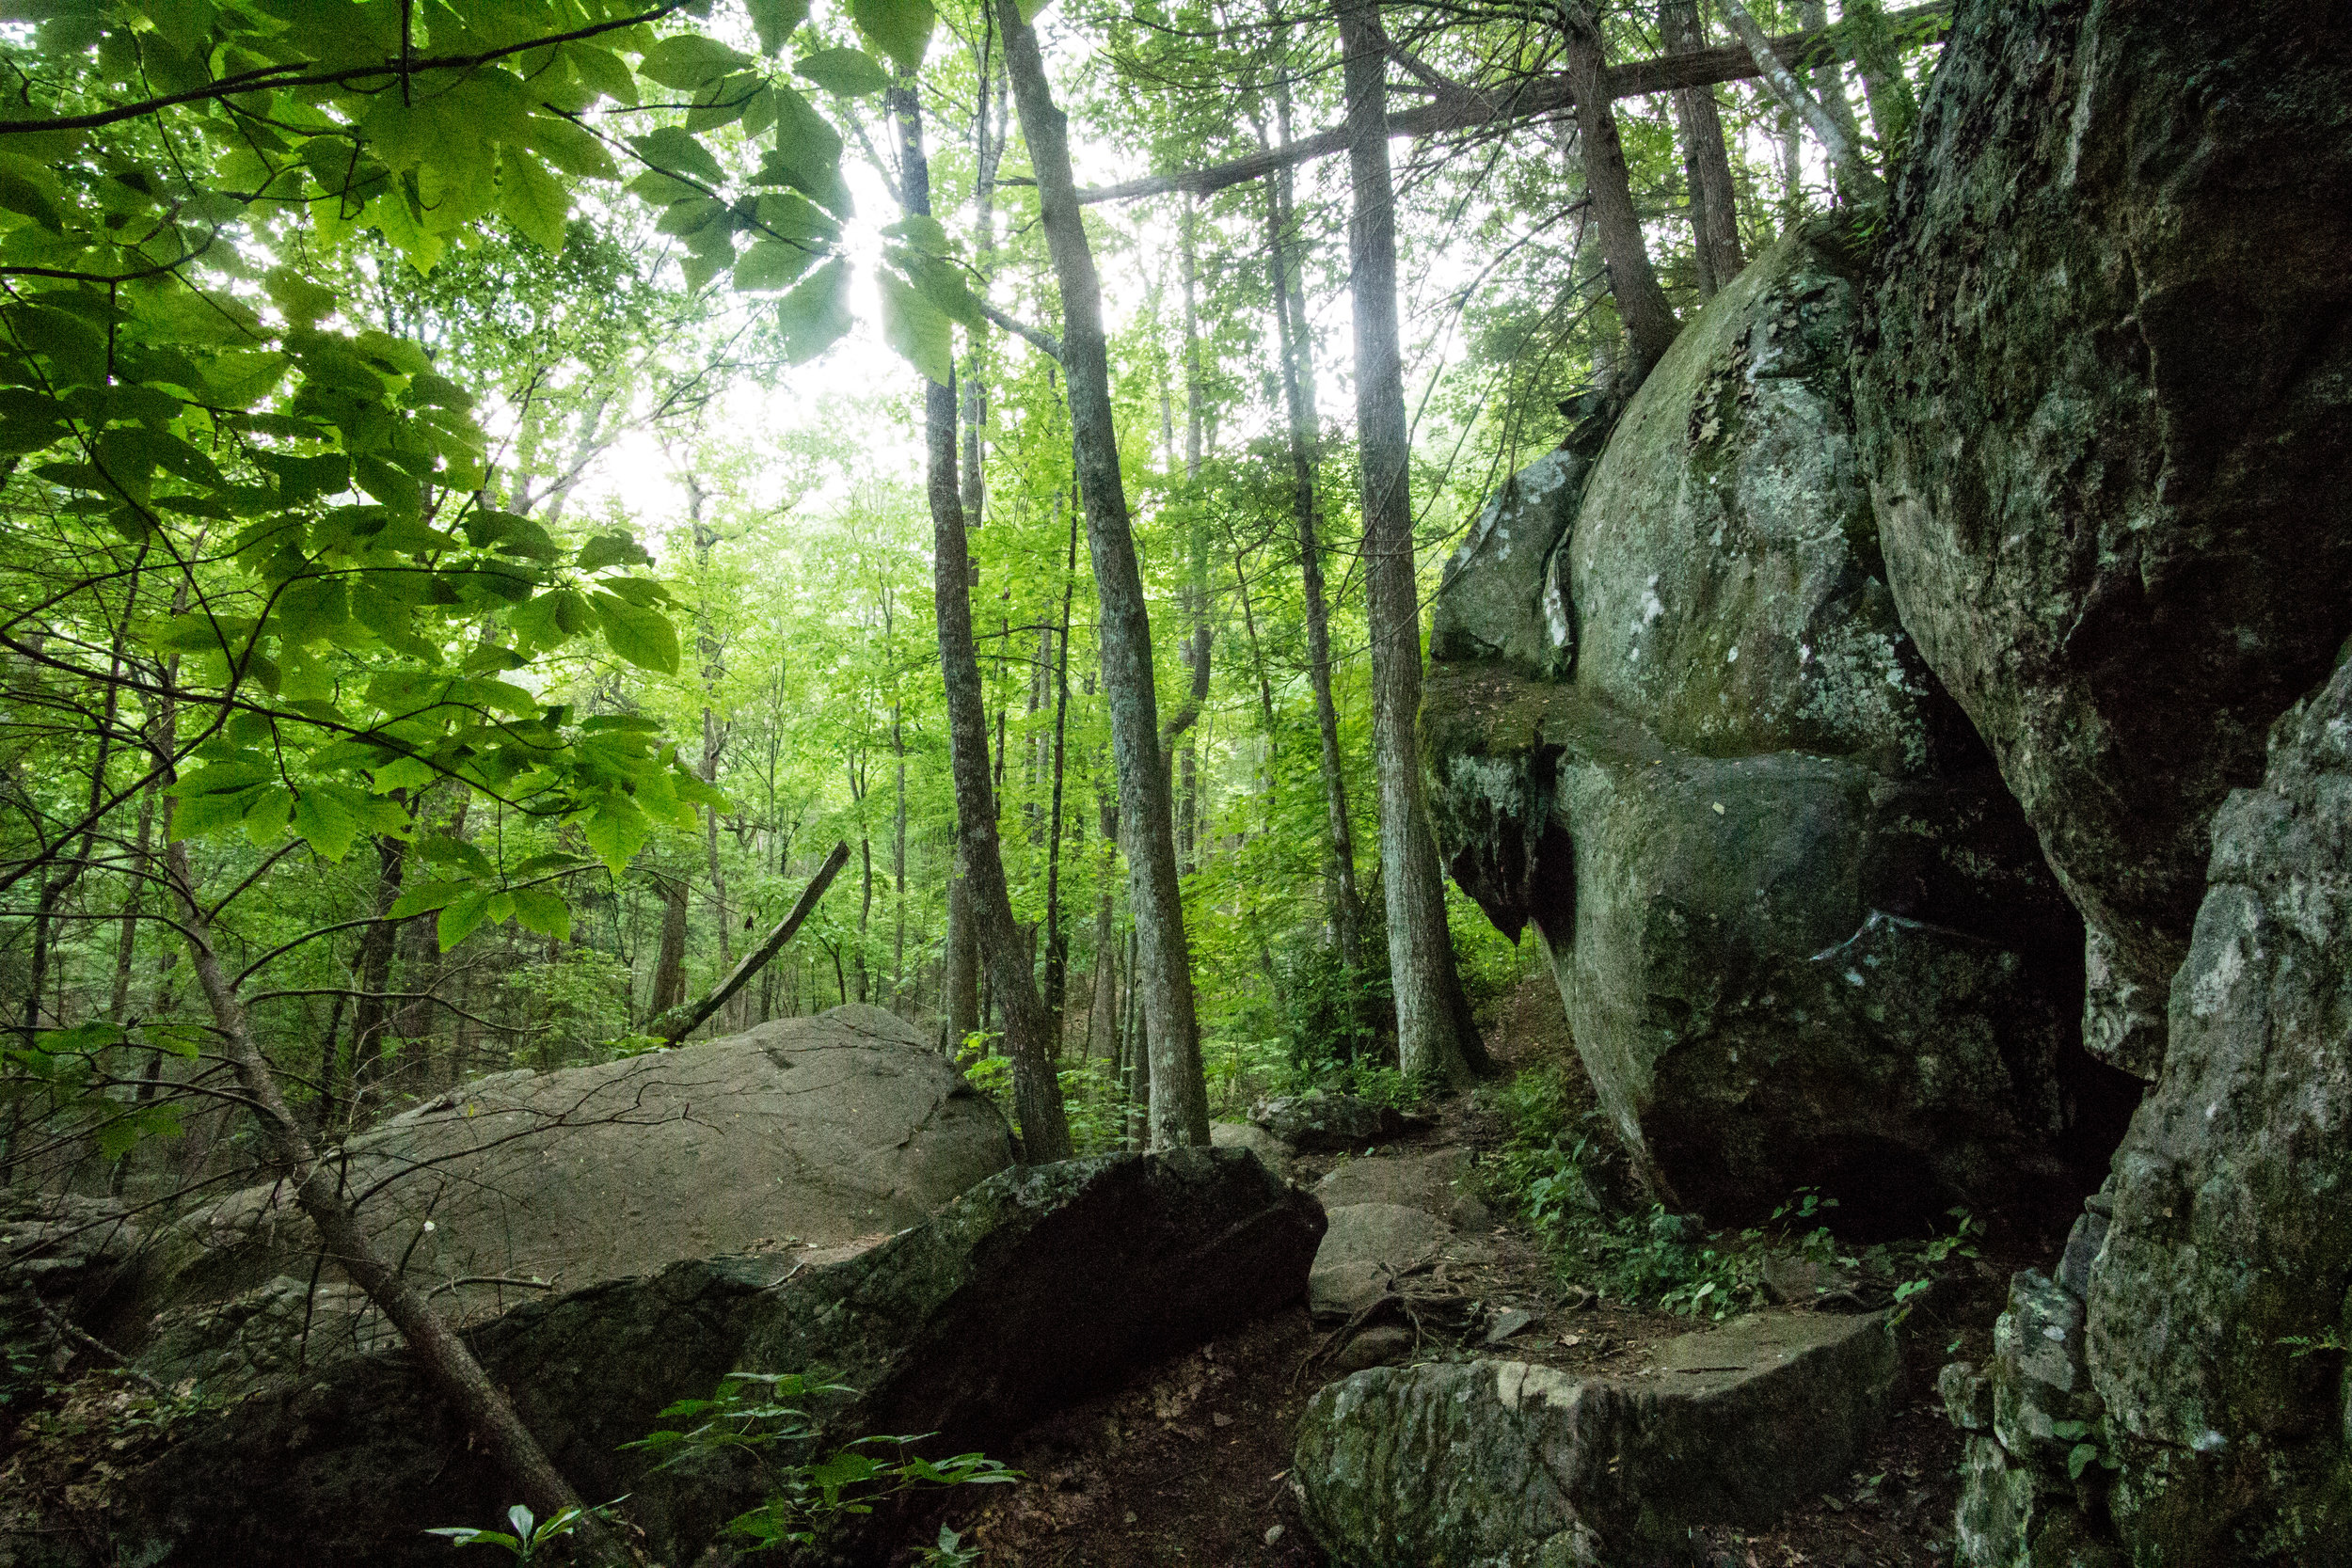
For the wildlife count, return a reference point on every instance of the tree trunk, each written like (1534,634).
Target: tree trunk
(318,1189)
(1036,1091)
(1104,1011)
(1830,118)
(1346,904)
(1649,321)
(134,901)
(371,1016)
(1179,1107)
(669,965)
(1057,939)
(1434,1033)
(1714,215)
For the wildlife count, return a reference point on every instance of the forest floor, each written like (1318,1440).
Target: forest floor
(1189,1462)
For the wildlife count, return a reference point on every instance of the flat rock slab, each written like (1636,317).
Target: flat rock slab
(816,1131)
(1504,1464)
(1432,1182)
(1367,1248)
(1040,1286)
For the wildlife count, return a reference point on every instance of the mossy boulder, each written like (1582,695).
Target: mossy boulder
(1803,936)
(2106,400)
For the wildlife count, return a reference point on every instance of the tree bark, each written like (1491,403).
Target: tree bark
(1434,1034)
(1341,895)
(1649,321)
(1714,214)
(446,1361)
(370,1015)
(1838,136)
(1037,1093)
(1179,1111)
(669,968)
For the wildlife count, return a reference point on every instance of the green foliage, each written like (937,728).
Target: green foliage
(524,1537)
(763,1418)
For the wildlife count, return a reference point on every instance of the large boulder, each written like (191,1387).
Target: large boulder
(1037,1288)
(1504,1464)
(1803,936)
(813,1130)
(2226,1267)
(2107,409)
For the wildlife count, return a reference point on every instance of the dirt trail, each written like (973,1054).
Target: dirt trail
(1189,1462)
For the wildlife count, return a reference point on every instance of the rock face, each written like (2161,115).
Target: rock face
(1034,1289)
(1317,1121)
(1503,1465)
(816,1129)
(1802,934)
(2105,407)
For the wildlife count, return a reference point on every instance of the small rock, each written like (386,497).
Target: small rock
(1509,1323)
(1273,1534)
(1317,1121)
(1220,1420)
(1373,1347)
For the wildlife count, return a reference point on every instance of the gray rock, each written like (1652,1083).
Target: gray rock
(1967,1396)
(1318,1121)
(1272,1152)
(1433,1183)
(1367,1248)
(2042,1399)
(1503,1465)
(2228,1234)
(2104,402)
(1509,1324)
(1039,1287)
(816,1129)
(2011,1516)
(2082,1250)
(1803,936)
(63,1258)
(1375,1346)
(1493,602)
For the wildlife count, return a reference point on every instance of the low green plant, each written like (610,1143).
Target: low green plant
(524,1537)
(2315,1344)
(762,1416)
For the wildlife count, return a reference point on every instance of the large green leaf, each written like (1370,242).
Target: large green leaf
(570,147)
(618,547)
(533,199)
(915,327)
(641,635)
(900,28)
(771,264)
(851,72)
(814,316)
(774,21)
(807,155)
(942,284)
(460,916)
(616,830)
(687,60)
(674,151)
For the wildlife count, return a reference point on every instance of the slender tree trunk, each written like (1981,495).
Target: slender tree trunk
(1037,1093)
(1104,1011)
(1649,321)
(1830,118)
(1344,903)
(898,866)
(1057,939)
(134,902)
(669,965)
(1714,214)
(1180,1109)
(1195,540)
(317,1189)
(1434,1036)
(371,1015)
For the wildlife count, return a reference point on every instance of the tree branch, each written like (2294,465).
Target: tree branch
(1529,98)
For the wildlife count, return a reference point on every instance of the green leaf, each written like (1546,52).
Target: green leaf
(327,818)
(543,912)
(942,283)
(901,28)
(771,264)
(807,155)
(616,831)
(600,71)
(426,896)
(299,300)
(922,231)
(774,21)
(612,549)
(533,199)
(851,72)
(2078,1459)
(692,215)
(687,60)
(642,636)
(915,327)
(674,151)
(814,315)
(460,917)
(570,147)
(32,189)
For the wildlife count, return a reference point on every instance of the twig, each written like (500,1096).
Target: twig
(73,1334)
